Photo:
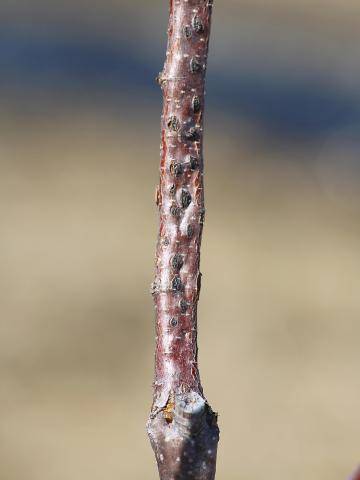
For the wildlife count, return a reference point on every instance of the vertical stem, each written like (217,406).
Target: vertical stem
(182,427)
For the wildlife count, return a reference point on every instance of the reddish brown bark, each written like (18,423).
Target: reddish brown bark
(355,475)
(182,427)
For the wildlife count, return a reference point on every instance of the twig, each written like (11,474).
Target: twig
(182,427)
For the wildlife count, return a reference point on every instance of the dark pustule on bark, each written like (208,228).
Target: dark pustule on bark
(182,427)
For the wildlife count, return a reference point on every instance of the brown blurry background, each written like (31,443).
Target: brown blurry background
(280,305)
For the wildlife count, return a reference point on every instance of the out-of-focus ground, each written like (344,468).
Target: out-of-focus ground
(280,305)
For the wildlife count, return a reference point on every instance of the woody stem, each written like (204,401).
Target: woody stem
(182,427)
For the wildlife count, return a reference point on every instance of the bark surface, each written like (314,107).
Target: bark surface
(182,427)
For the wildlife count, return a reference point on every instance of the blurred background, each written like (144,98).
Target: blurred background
(280,306)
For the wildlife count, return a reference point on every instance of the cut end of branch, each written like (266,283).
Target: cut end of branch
(185,446)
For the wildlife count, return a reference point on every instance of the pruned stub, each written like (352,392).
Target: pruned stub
(185,441)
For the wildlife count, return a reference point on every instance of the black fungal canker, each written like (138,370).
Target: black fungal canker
(172,190)
(173,322)
(196,104)
(194,163)
(166,241)
(175,211)
(187,31)
(195,65)
(155,288)
(173,123)
(185,198)
(183,304)
(191,134)
(176,169)
(177,262)
(190,231)
(176,284)
(197,24)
